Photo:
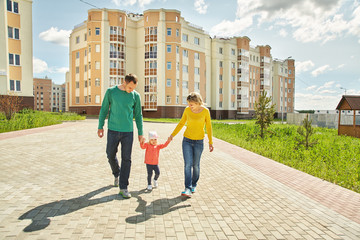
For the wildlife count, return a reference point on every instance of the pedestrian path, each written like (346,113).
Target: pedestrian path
(56,184)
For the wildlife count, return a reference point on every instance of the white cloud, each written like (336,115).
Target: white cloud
(39,66)
(320,70)
(327,91)
(326,85)
(304,66)
(340,66)
(311,88)
(310,20)
(283,32)
(54,35)
(229,28)
(200,6)
(141,3)
(316,101)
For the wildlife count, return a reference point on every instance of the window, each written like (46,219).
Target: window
(289,81)
(221,64)
(233,78)
(85,39)
(185,68)
(232,65)
(289,90)
(12,6)
(220,104)
(197,71)
(197,86)
(233,52)
(97,31)
(17,60)
(233,104)
(177,49)
(97,82)
(289,99)
(77,54)
(168,48)
(168,82)
(220,77)
(169,31)
(97,98)
(196,40)
(185,53)
(177,99)
(185,84)
(10,32)
(289,71)
(177,66)
(233,91)
(220,90)
(97,48)
(221,50)
(168,99)
(196,55)
(77,84)
(77,39)
(11,59)
(177,32)
(184,101)
(77,100)
(185,37)
(13,33)
(14,59)
(168,65)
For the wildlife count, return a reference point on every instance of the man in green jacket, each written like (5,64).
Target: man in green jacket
(123,104)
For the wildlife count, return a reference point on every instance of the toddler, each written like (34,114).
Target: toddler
(152,157)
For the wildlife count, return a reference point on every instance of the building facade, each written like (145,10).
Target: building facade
(16,78)
(171,58)
(48,96)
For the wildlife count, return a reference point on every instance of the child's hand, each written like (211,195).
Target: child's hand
(170,139)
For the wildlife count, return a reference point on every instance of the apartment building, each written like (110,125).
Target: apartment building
(58,97)
(283,89)
(16,78)
(42,94)
(171,58)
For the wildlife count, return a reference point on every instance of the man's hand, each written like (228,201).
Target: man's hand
(100,133)
(211,148)
(141,139)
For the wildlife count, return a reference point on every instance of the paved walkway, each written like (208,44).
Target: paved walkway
(55,184)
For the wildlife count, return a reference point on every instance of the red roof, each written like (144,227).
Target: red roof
(352,100)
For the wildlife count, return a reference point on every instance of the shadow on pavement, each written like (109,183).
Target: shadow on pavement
(41,214)
(157,207)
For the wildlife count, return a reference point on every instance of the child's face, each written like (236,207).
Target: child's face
(153,141)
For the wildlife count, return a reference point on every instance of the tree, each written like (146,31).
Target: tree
(264,111)
(305,131)
(10,104)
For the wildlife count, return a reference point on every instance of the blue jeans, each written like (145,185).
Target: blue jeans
(150,169)
(192,150)
(115,138)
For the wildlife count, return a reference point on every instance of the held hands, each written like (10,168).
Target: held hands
(141,139)
(211,148)
(170,138)
(100,133)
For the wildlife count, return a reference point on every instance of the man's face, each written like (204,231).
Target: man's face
(129,87)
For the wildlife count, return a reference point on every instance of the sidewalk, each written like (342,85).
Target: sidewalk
(56,184)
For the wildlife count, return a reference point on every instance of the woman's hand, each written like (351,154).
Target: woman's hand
(211,148)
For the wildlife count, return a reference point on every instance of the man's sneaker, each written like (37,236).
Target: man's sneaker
(186,193)
(156,183)
(116,181)
(125,193)
(193,189)
(149,187)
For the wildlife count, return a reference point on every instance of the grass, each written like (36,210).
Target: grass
(32,119)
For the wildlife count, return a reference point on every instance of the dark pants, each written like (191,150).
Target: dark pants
(150,169)
(115,138)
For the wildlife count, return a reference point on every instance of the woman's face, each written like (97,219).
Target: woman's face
(193,105)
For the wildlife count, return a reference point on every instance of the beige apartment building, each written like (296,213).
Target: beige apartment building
(16,68)
(171,58)
(283,90)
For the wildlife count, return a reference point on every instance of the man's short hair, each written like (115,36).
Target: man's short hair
(131,78)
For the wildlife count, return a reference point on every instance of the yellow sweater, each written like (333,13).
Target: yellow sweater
(195,124)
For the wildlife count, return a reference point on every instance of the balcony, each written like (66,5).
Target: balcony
(150,55)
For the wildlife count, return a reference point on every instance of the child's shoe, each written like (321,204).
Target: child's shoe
(125,193)
(186,193)
(149,187)
(156,183)
(193,189)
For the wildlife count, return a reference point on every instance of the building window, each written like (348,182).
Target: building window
(77,54)
(15,85)
(177,82)
(220,90)
(185,53)
(97,48)
(196,55)
(185,84)
(177,99)
(221,50)
(77,39)
(168,99)
(220,104)
(85,39)
(77,100)
(77,84)
(196,40)
(97,82)
(289,90)
(232,65)
(13,61)
(168,31)
(177,49)
(220,77)
(168,82)
(289,81)
(77,70)
(97,31)
(168,65)
(233,91)
(177,32)
(185,37)
(221,64)
(12,6)
(185,68)
(184,101)
(233,52)
(168,48)
(289,71)
(97,98)
(197,71)
(197,86)
(233,78)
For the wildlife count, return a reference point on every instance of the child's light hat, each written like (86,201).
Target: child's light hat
(153,135)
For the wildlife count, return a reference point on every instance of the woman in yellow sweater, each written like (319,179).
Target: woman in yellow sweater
(196,115)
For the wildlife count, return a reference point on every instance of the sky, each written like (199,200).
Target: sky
(322,36)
